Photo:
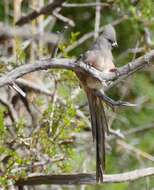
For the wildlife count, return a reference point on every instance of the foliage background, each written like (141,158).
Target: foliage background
(59,131)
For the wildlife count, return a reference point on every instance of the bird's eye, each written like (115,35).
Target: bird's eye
(110,41)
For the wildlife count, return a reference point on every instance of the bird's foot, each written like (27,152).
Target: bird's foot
(115,133)
(112,103)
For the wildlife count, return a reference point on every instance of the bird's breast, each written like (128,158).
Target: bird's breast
(102,61)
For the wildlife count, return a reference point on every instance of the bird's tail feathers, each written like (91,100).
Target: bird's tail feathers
(99,123)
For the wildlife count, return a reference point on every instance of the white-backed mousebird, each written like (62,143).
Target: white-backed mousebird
(100,57)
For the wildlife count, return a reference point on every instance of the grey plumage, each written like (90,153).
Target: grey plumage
(106,40)
(100,57)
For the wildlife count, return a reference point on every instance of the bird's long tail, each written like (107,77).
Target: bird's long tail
(99,123)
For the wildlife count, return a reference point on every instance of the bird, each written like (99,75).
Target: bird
(100,57)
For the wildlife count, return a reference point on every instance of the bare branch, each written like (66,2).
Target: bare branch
(84,178)
(7,32)
(74,5)
(147,36)
(139,129)
(131,50)
(17,168)
(97,19)
(133,66)
(135,150)
(70,64)
(10,108)
(34,86)
(39,65)
(63,18)
(46,10)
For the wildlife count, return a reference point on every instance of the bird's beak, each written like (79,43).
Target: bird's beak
(114,44)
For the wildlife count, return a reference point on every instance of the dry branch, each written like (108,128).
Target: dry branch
(70,64)
(46,10)
(134,150)
(39,65)
(140,129)
(10,108)
(7,32)
(97,19)
(64,19)
(74,5)
(33,86)
(84,178)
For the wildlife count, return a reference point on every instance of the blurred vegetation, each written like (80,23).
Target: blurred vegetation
(61,133)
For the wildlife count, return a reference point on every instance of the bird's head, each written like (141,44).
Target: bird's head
(109,34)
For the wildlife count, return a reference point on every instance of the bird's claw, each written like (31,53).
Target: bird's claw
(122,103)
(116,133)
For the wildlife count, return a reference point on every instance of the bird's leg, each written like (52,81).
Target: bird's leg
(110,102)
(117,132)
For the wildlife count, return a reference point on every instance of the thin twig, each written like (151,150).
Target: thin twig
(131,50)
(139,129)
(7,32)
(135,150)
(46,10)
(36,164)
(74,5)
(63,18)
(97,19)
(11,110)
(33,86)
(147,37)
